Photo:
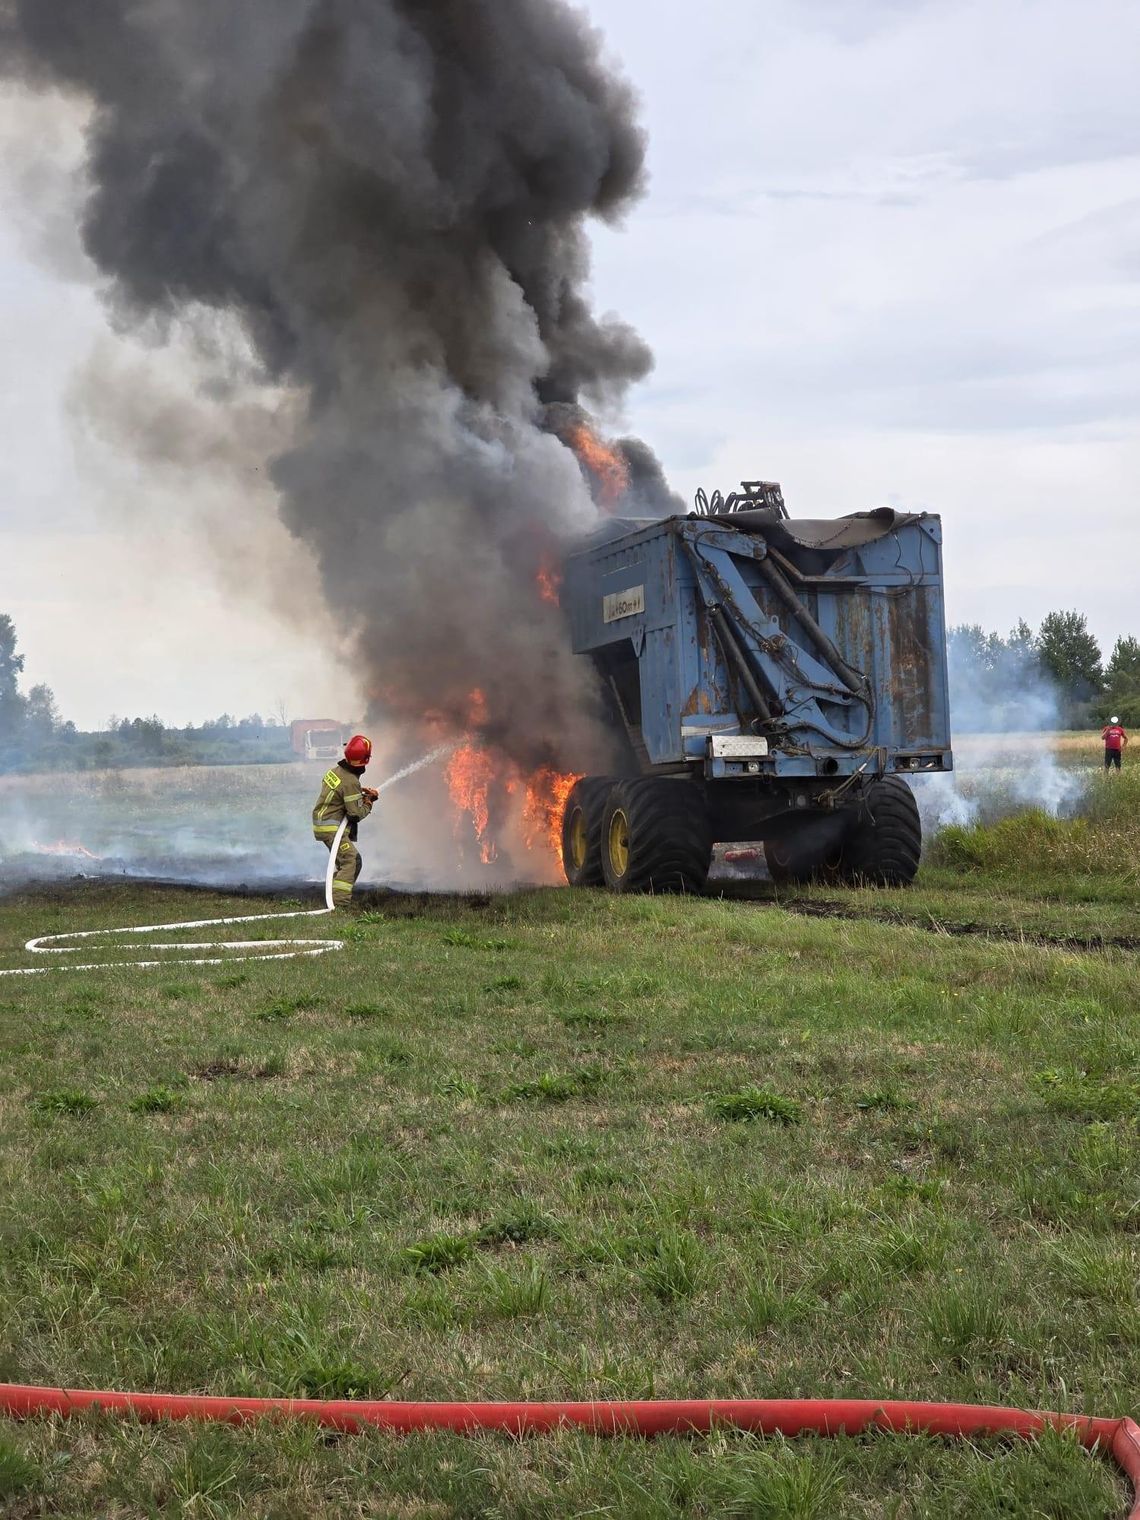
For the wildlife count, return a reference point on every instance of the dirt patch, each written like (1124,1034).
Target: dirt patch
(216,1071)
(811,908)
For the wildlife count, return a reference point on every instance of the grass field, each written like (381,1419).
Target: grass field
(189,818)
(556,1144)
(219,825)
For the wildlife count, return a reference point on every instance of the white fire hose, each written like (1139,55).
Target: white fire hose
(239,949)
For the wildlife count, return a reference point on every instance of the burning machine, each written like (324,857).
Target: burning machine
(771,680)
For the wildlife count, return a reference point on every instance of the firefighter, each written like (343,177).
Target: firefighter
(342,796)
(1114,741)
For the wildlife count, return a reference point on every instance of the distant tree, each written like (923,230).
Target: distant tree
(1122,681)
(12,704)
(1124,663)
(1022,644)
(1071,656)
(996,684)
(42,719)
(973,648)
(145,736)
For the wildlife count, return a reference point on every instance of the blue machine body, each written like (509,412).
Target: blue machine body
(750,645)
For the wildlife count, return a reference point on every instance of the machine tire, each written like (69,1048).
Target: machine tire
(582,851)
(666,832)
(885,843)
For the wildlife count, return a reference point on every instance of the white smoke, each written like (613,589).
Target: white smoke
(249,826)
(941,803)
(1004,717)
(1045,784)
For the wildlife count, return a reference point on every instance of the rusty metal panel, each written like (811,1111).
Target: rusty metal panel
(849,646)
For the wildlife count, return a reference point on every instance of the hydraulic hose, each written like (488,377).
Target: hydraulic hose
(852,682)
(640,1417)
(855,680)
(734,656)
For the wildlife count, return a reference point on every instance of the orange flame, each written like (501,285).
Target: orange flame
(546,794)
(549,582)
(64,847)
(480,782)
(608,469)
(470,774)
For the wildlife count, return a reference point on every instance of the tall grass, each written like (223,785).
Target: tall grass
(1102,840)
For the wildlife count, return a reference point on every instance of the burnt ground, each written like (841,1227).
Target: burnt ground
(888,913)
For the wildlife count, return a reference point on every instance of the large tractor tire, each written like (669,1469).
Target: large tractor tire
(582,830)
(885,842)
(656,837)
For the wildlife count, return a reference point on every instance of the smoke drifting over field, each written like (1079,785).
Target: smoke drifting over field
(390,200)
(248,825)
(1003,719)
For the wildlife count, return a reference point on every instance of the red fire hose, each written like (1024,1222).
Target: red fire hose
(642,1417)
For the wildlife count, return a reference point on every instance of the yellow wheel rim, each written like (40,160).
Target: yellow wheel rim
(618,842)
(578,841)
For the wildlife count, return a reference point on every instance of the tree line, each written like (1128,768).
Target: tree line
(1055,677)
(34,733)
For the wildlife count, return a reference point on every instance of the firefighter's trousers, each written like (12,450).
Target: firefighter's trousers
(346,870)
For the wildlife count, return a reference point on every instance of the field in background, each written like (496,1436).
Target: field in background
(225,825)
(557,1144)
(163,813)
(231,825)
(1071,748)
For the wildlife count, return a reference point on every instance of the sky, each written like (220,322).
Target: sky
(889,253)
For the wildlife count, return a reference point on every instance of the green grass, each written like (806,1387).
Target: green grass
(1073,882)
(562,1145)
(1096,846)
(156,1100)
(757,1103)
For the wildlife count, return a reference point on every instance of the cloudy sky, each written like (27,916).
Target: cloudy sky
(890,253)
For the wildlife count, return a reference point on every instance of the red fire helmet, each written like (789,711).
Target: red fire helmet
(358,750)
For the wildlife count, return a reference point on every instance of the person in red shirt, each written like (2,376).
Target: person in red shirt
(1114,741)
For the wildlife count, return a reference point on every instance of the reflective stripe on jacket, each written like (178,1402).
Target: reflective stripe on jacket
(340,797)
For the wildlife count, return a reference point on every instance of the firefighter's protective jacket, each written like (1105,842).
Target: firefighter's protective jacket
(340,797)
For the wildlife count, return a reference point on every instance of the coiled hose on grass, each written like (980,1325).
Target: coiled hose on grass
(640,1417)
(235,949)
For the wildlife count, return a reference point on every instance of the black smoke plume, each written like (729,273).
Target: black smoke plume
(390,197)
